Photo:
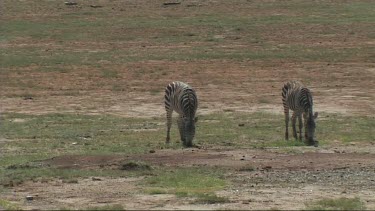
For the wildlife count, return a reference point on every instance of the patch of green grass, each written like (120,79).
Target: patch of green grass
(110,74)
(337,204)
(346,129)
(48,60)
(8,205)
(86,27)
(41,136)
(247,168)
(32,138)
(13,177)
(267,130)
(54,134)
(156,191)
(14,174)
(224,129)
(185,182)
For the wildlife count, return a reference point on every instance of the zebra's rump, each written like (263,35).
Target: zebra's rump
(181,98)
(296,97)
(289,87)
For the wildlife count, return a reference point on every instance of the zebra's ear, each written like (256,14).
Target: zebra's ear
(196,119)
(315,115)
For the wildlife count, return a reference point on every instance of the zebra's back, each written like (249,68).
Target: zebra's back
(181,97)
(296,97)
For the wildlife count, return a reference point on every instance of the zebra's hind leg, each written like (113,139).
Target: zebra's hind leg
(286,113)
(300,126)
(180,123)
(305,124)
(294,118)
(169,125)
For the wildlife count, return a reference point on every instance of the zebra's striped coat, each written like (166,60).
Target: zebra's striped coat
(299,99)
(181,98)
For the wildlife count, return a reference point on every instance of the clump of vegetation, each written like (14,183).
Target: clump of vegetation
(337,204)
(156,191)
(210,198)
(247,168)
(190,182)
(7,205)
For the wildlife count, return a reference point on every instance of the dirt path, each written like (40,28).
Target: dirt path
(312,160)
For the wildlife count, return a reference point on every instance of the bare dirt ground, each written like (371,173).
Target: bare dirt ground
(278,180)
(244,86)
(262,179)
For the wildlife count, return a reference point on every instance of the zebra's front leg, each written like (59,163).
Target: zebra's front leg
(294,118)
(300,126)
(169,125)
(286,113)
(180,123)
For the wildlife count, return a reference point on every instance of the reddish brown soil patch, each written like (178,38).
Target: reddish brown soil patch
(237,159)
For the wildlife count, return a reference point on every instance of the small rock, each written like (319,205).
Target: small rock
(171,3)
(29,198)
(96,6)
(267,167)
(70,3)
(74,143)
(96,179)
(242,159)
(152,151)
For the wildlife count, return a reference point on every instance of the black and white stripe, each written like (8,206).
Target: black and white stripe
(181,98)
(299,99)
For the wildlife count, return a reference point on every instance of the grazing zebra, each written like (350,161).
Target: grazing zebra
(180,97)
(299,99)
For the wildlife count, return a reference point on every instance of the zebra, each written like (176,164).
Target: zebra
(181,97)
(299,99)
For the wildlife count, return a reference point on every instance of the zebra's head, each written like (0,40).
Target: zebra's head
(310,130)
(189,130)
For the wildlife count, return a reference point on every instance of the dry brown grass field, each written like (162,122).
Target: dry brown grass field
(82,120)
